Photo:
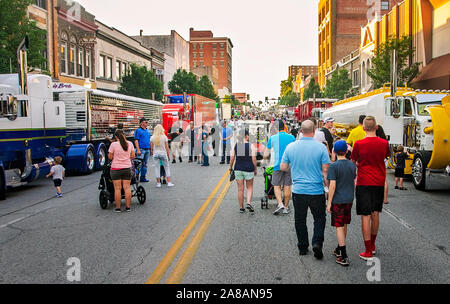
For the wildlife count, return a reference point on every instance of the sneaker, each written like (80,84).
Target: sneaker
(242,210)
(250,208)
(144,181)
(279,208)
(127,209)
(158,185)
(180,159)
(174,162)
(58,195)
(396,187)
(367,256)
(374,249)
(170,185)
(303,251)
(343,261)
(336,253)
(222,162)
(286,211)
(318,254)
(117,210)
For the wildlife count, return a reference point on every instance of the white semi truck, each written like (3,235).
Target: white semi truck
(416,119)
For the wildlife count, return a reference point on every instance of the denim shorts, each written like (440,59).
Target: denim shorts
(240,175)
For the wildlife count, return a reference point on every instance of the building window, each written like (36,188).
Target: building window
(63,58)
(384,5)
(222,45)
(124,68)
(41,3)
(201,55)
(102,63)
(80,62)
(214,62)
(214,45)
(194,46)
(87,69)
(194,64)
(222,54)
(109,68)
(118,70)
(194,55)
(201,63)
(214,54)
(222,63)
(72,60)
(201,46)
(356,78)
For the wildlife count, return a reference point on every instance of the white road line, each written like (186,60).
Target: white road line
(398,219)
(12,222)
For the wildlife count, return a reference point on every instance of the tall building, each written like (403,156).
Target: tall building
(339,30)
(304,70)
(207,50)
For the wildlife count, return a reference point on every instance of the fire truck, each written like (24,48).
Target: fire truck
(187,108)
(310,106)
(416,119)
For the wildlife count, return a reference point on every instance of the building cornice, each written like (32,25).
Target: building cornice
(104,36)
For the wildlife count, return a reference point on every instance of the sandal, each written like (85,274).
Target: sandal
(250,208)
(242,210)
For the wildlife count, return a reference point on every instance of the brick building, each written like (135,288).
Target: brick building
(207,50)
(339,30)
(304,70)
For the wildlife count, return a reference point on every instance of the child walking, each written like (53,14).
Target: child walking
(401,157)
(342,175)
(58,173)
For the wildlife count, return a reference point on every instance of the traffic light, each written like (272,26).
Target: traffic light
(248,96)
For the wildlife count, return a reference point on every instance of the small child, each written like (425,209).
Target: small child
(401,157)
(342,175)
(58,173)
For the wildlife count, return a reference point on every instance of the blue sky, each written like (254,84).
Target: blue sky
(268,36)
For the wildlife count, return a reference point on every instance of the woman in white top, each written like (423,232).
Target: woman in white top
(161,153)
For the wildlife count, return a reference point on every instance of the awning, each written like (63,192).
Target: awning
(436,68)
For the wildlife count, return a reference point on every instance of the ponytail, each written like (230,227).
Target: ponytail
(122,139)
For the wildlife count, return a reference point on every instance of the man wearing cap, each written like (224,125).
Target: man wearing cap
(142,143)
(328,125)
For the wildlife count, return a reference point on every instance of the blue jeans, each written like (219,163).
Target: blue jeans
(205,154)
(317,204)
(145,154)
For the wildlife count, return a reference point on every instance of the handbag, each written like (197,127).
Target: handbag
(232,176)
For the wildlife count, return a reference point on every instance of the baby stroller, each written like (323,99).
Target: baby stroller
(106,185)
(268,187)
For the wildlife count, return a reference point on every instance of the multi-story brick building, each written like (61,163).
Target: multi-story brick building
(304,70)
(339,30)
(207,50)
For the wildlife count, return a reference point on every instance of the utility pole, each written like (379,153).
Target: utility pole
(394,76)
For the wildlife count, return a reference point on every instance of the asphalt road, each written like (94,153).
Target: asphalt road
(39,233)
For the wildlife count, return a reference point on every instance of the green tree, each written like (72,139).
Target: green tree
(286,87)
(141,82)
(290,99)
(381,62)
(184,82)
(14,26)
(206,88)
(312,88)
(339,85)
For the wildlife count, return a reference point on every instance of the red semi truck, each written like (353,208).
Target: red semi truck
(187,108)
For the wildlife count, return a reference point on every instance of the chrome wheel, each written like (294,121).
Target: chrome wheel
(417,171)
(90,161)
(101,158)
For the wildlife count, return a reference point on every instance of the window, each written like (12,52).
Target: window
(214,62)
(222,45)
(201,55)
(109,68)
(195,64)
(221,54)
(124,68)
(201,46)
(214,45)
(80,62)
(101,70)
(72,60)
(41,3)
(384,5)
(222,63)
(201,63)
(355,78)
(194,55)
(194,46)
(214,54)
(87,68)
(63,58)
(118,70)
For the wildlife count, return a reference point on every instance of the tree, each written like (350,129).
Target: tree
(312,88)
(380,73)
(206,88)
(286,87)
(339,86)
(184,82)
(14,26)
(141,82)
(290,99)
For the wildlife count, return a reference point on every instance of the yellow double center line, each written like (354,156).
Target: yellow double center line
(183,264)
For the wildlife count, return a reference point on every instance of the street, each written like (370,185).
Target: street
(39,233)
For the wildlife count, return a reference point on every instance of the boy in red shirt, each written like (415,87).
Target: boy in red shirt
(369,155)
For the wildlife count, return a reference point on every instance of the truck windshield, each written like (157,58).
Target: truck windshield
(422,107)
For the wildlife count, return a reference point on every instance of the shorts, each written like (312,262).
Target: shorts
(122,174)
(341,214)
(369,199)
(240,175)
(400,172)
(57,182)
(281,178)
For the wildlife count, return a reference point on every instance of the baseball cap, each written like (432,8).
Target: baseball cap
(143,119)
(328,119)
(340,146)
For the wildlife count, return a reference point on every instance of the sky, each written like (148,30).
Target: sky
(268,36)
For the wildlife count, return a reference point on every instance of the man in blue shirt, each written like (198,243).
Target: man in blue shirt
(279,142)
(225,139)
(309,162)
(142,143)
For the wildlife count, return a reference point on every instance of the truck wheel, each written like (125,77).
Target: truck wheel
(419,167)
(90,161)
(100,159)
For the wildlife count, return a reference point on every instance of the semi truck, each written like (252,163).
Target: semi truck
(416,119)
(40,120)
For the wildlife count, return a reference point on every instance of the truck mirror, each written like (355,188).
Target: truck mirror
(396,108)
(9,107)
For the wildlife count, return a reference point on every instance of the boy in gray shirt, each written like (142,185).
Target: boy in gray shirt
(58,173)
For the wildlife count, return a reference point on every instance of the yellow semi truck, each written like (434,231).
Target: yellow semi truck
(416,119)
